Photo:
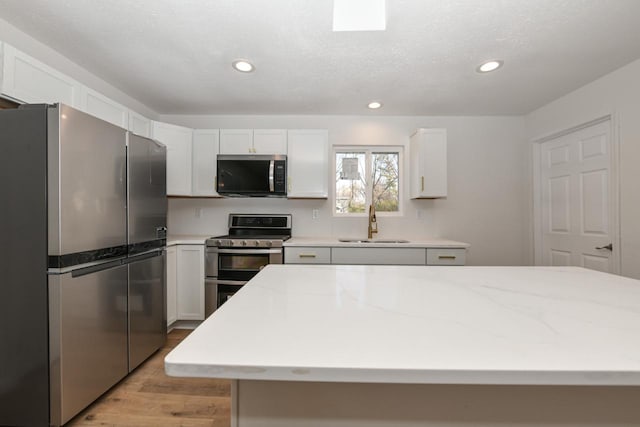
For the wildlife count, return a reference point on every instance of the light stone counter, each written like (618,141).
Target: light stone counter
(356,345)
(335,242)
(186,239)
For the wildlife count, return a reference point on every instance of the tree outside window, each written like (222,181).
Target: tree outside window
(369,175)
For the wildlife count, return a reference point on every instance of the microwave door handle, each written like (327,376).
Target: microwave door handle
(271,168)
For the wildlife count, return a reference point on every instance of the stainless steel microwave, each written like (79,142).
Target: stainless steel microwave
(252,175)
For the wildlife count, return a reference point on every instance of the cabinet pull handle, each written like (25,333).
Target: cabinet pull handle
(422,183)
(215,183)
(307,255)
(288,183)
(446,257)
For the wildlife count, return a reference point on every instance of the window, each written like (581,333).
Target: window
(367,175)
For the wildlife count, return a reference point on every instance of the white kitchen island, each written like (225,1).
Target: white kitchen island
(328,345)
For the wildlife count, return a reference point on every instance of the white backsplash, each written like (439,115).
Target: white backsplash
(210,216)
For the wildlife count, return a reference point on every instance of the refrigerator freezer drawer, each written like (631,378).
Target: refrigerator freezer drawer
(87,337)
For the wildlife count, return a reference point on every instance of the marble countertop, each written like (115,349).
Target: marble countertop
(421,324)
(335,242)
(186,239)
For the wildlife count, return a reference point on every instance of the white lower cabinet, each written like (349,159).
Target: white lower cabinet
(172,289)
(185,283)
(190,282)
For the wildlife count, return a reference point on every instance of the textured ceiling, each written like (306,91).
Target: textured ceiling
(175,56)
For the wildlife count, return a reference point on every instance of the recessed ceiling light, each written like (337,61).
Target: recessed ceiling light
(488,66)
(374,105)
(243,65)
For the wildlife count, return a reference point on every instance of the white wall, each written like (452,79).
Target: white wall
(617,93)
(486,206)
(43,53)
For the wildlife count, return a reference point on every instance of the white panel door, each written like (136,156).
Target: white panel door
(104,108)
(575,199)
(205,152)
(139,124)
(28,80)
(178,140)
(236,141)
(172,289)
(308,164)
(190,282)
(270,141)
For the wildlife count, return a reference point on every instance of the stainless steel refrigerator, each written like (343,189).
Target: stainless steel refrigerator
(70,281)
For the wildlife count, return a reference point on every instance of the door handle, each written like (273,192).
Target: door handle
(608,247)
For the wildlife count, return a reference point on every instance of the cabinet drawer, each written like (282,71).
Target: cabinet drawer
(444,256)
(378,256)
(301,255)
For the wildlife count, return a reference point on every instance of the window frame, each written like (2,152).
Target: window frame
(368,150)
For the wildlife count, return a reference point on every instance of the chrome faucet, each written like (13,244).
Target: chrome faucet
(373,225)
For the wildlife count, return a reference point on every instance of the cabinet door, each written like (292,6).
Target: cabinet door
(178,142)
(428,164)
(191,282)
(104,108)
(172,285)
(28,80)
(308,164)
(205,151)
(270,141)
(139,125)
(236,141)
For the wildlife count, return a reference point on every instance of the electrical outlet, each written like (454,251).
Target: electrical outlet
(314,214)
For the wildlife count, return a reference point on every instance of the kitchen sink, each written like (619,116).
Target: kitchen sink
(390,241)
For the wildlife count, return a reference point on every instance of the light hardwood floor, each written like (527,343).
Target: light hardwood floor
(148,397)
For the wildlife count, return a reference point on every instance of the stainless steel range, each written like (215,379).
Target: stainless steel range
(232,260)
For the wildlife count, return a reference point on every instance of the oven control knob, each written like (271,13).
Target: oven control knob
(244,243)
(268,243)
(219,242)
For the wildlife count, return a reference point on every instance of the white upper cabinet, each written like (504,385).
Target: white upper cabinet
(428,149)
(270,141)
(178,140)
(28,80)
(205,151)
(104,108)
(139,124)
(253,141)
(236,141)
(308,164)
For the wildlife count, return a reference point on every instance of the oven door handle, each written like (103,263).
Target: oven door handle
(228,282)
(249,251)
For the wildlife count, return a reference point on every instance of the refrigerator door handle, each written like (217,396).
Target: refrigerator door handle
(143,256)
(95,268)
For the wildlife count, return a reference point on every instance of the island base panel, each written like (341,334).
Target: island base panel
(323,404)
